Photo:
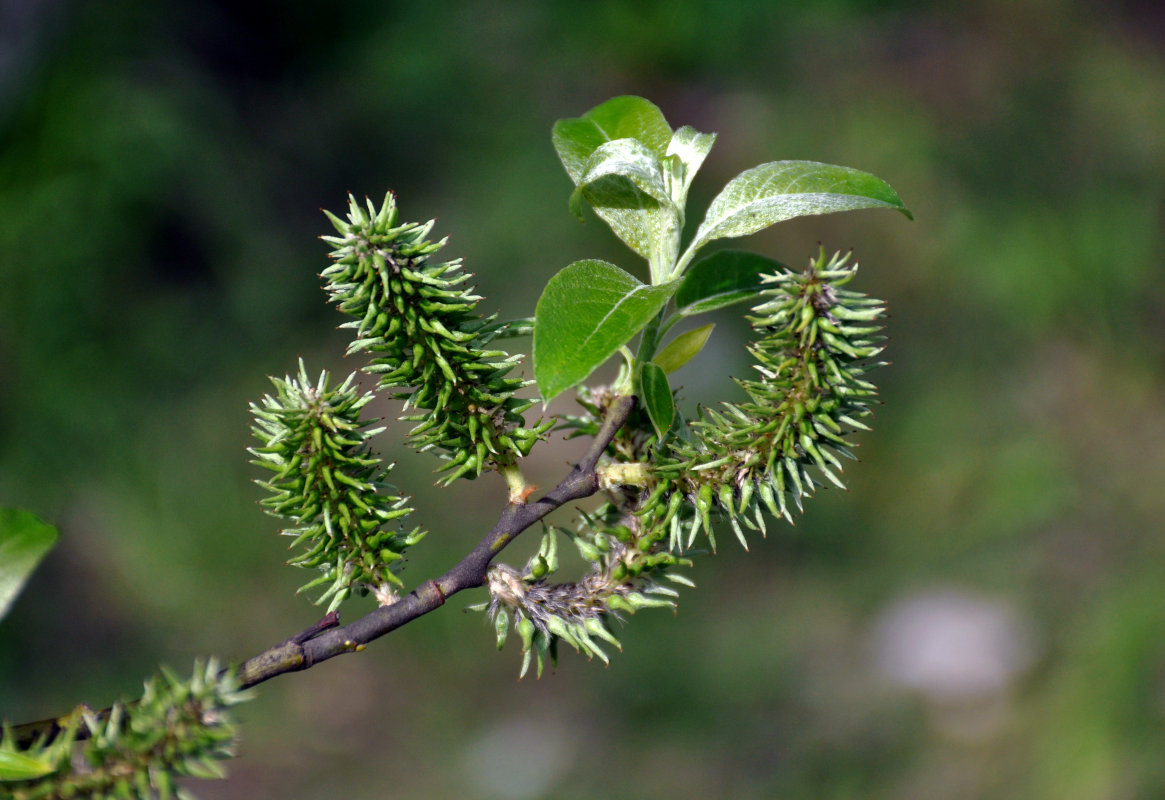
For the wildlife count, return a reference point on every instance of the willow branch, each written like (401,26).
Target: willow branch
(324,640)
(469,573)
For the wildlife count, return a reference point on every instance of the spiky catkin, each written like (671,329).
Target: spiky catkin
(817,342)
(176,728)
(629,571)
(420,325)
(329,483)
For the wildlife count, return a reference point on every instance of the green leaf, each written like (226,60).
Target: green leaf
(586,313)
(626,117)
(722,278)
(683,348)
(20,767)
(630,160)
(24,541)
(781,190)
(624,183)
(691,147)
(635,215)
(657,397)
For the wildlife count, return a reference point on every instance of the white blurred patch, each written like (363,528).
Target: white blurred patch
(516,759)
(959,650)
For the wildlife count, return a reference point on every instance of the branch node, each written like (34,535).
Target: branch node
(432,588)
(330,620)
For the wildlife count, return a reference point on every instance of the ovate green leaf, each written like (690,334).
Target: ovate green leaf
(657,397)
(626,117)
(683,348)
(781,190)
(586,313)
(24,541)
(723,278)
(20,767)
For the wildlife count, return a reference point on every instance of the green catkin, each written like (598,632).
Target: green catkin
(817,342)
(176,728)
(346,520)
(427,342)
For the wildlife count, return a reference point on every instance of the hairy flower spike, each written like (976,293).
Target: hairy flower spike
(420,325)
(331,485)
(817,343)
(177,727)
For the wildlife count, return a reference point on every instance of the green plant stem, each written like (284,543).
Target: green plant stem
(682,264)
(324,640)
(667,325)
(648,342)
(650,339)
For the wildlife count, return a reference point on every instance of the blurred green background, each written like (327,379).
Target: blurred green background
(981,615)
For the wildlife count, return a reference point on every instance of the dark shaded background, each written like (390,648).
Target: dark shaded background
(982,614)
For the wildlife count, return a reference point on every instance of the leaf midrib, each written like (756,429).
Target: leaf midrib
(607,316)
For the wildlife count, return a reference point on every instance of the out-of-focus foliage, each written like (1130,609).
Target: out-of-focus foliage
(176,728)
(24,541)
(980,615)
